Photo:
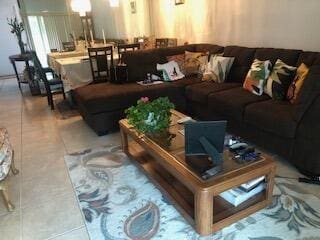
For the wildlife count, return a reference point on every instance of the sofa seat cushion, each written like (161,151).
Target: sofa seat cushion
(232,103)
(272,116)
(182,84)
(199,92)
(107,97)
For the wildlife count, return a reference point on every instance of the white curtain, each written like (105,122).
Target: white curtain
(58,29)
(49,31)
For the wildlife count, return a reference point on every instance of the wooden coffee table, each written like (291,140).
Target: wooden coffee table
(196,199)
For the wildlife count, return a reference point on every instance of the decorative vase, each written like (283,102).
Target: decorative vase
(21,45)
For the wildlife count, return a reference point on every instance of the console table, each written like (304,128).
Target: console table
(34,85)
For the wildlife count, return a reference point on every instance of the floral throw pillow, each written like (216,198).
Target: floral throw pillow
(194,61)
(297,83)
(171,71)
(279,80)
(257,76)
(180,59)
(217,69)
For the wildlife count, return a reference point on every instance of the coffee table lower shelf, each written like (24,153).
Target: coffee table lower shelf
(223,213)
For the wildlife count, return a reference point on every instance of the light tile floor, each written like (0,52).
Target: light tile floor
(46,207)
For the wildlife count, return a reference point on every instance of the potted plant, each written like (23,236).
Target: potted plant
(17,28)
(152,118)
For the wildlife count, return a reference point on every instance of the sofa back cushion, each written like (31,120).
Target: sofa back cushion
(140,63)
(170,51)
(242,62)
(310,90)
(308,58)
(211,48)
(288,56)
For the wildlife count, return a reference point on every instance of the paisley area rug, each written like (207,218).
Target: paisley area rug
(119,202)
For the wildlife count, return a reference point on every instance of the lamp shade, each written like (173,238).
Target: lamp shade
(81,6)
(114,3)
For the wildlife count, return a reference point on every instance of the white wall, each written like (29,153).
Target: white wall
(8,43)
(268,23)
(119,22)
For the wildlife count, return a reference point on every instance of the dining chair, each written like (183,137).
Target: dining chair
(99,63)
(53,85)
(162,42)
(127,47)
(166,42)
(68,46)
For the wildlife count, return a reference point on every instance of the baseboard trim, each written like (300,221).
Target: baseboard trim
(7,77)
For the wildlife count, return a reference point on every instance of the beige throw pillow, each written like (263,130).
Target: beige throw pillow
(194,61)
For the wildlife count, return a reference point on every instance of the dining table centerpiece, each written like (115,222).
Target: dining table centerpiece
(152,118)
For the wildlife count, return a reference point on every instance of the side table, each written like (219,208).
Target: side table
(34,85)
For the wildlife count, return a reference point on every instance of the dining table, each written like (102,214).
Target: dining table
(75,71)
(53,56)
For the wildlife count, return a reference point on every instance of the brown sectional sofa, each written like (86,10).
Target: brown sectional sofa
(289,130)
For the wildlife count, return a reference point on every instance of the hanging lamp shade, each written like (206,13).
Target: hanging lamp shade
(81,6)
(114,3)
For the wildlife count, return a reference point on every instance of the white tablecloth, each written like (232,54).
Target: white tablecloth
(52,57)
(75,71)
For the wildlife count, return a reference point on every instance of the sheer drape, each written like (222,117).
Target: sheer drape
(58,30)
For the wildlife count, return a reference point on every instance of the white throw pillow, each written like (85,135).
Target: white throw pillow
(218,68)
(171,71)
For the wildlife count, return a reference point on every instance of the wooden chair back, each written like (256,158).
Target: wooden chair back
(127,47)
(166,42)
(162,42)
(99,63)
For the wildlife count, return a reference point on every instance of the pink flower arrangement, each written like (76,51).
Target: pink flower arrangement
(144,99)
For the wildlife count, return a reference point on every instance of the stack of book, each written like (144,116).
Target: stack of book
(238,195)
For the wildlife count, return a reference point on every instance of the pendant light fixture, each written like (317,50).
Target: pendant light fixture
(81,6)
(114,3)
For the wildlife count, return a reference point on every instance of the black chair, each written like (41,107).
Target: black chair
(53,85)
(127,47)
(99,63)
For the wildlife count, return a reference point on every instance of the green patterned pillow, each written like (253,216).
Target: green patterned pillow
(217,69)
(279,80)
(257,76)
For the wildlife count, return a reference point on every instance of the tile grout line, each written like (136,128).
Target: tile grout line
(21,172)
(66,232)
(73,188)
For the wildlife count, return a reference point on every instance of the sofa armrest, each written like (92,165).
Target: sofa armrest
(309,92)
(309,125)
(306,149)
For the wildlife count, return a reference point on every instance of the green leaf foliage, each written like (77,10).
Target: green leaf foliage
(16,27)
(150,116)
